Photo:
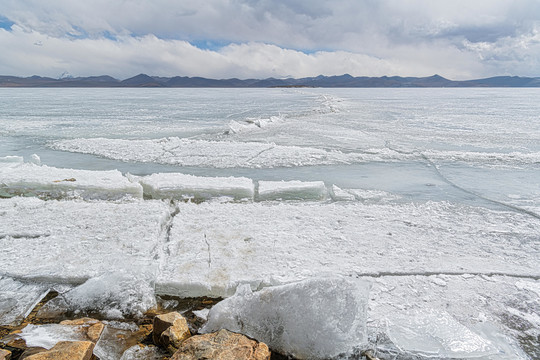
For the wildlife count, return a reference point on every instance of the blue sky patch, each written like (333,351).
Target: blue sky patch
(5,23)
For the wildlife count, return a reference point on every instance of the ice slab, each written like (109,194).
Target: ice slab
(178,186)
(71,241)
(292,190)
(17,299)
(48,335)
(215,247)
(311,319)
(29,179)
(112,296)
(491,307)
(116,338)
(433,333)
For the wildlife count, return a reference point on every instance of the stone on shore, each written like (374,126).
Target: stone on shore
(170,329)
(223,345)
(5,354)
(66,350)
(94,330)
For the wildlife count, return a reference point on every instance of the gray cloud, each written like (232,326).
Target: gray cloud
(457,39)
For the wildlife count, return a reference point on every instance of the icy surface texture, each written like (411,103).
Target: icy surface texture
(215,247)
(111,296)
(48,182)
(137,352)
(435,333)
(311,319)
(418,316)
(292,190)
(17,299)
(48,335)
(218,154)
(115,340)
(71,241)
(178,186)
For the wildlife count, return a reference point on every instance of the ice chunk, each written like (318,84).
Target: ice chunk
(35,159)
(48,335)
(310,319)
(431,333)
(115,340)
(10,161)
(372,196)
(176,185)
(113,295)
(137,352)
(292,190)
(17,299)
(50,182)
(339,194)
(71,241)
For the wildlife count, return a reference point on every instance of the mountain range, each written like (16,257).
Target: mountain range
(143,80)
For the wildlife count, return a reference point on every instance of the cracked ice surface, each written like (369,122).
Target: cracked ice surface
(71,241)
(215,247)
(218,154)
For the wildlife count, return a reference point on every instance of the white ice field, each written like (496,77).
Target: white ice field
(413,237)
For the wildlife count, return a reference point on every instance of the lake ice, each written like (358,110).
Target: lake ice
(430,196)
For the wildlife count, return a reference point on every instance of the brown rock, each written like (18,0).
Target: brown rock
(175,334)
(80,321)
(94,327)
(178,333)
(223,345)
(94,331)
(66,350)
(5,354)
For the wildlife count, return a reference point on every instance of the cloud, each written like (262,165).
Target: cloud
(458,39)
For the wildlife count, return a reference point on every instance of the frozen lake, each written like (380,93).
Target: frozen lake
(432,196)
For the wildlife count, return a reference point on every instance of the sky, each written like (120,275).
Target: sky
(458,39)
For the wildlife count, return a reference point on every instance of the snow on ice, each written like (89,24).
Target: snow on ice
(29,179)
(71,241)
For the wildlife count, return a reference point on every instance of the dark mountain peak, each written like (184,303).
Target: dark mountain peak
(141,80)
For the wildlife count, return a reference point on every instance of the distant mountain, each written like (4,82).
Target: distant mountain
(346,80)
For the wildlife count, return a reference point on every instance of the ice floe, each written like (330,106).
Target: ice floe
(311,319)
(29,179)
(180,186)
(217,154)
(292,190)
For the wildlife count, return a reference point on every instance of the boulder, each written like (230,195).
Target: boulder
(66,350)
(170,329)
(5,354)
(223,345)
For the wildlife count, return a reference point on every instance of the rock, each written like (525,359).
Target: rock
(5,354)
(94,327)
(175,334)
(223,345)
(170,328)
(66,350)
